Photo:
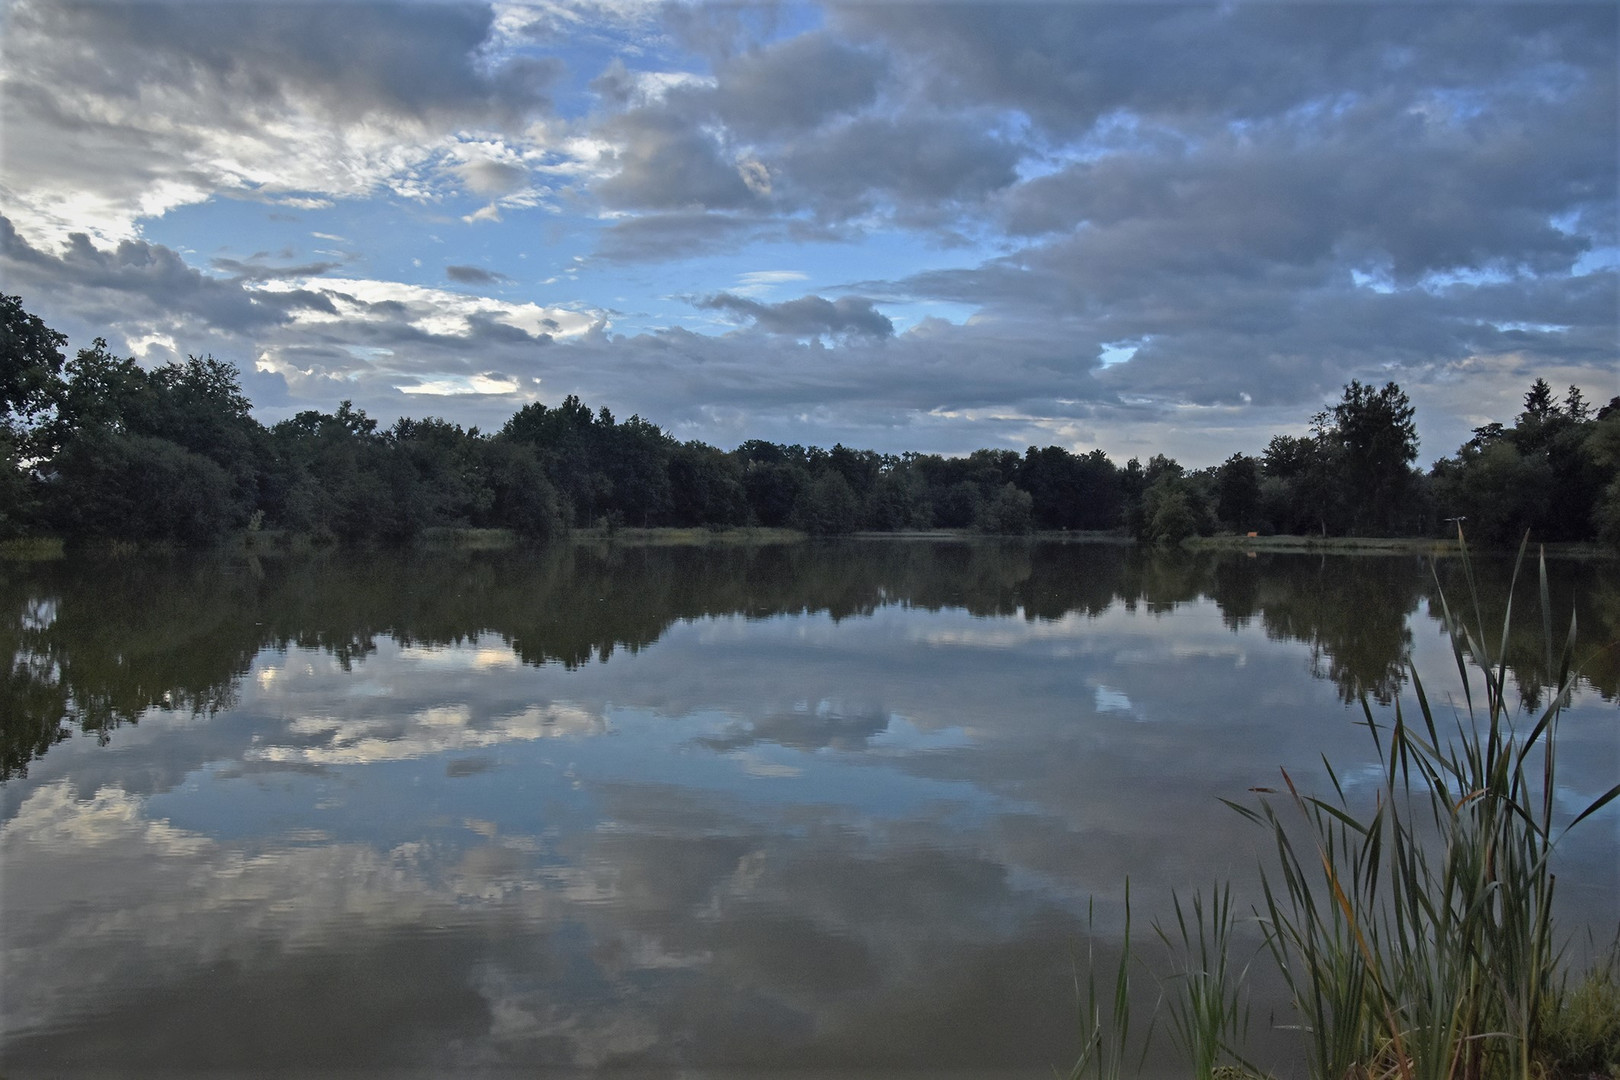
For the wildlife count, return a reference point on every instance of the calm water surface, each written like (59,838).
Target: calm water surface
(838,809)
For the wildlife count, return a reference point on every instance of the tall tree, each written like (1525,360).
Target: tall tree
(1538,402)
(30,365)
(1376,432)
(1238,492)
(30,385)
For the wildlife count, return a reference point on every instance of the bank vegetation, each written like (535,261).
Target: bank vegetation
(98,447)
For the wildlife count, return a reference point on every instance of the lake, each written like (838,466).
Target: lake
(851,808)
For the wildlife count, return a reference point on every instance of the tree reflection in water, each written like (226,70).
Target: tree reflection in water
(94,644)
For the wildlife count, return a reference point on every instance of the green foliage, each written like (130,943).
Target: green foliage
(898,499)
(1299,491)
(1105,1022)
(1209,1018)
(69,428)
(706,487)
(1602,447)
(1238,492)
(1375,432)
(1009,512)
(333,481)
(1496,488)
(1174,506)
(1554,473)
(120,486)
(30,363)
(1580,1027)
(828,506)
(1070,491)
(17,499)
(772,489)
(521,497)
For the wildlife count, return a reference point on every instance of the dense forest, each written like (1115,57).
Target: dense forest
(98,447)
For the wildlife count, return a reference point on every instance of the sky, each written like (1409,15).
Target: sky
(1146,228)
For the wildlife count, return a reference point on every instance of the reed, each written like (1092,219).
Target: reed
(1415,936)
(1106,1033)
(1209,1017)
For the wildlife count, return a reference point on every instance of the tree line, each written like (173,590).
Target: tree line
(95,446)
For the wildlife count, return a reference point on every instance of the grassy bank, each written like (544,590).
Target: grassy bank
(471,539)
(1418,545)
(1352,545)
(35,549)
(673,537)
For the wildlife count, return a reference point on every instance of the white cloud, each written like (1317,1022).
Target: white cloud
(54,818)
(430,731)
(457,385)
(160,129)
(761,282)
(431,311)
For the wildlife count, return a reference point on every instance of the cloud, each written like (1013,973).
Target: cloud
(1265,200)
(295,103)
(757,282)
(330,740)
(795,85)
(918,162)
(138,280)
(414,310)
(473,275)
(659,236)
(798,127)
(256,268)
(488,178)
(673,881)
(666,163)
(1067,67)
(807,316)
(354,59)
(1331,191)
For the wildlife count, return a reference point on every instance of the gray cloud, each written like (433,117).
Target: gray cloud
(473,275)
(403,59)
(485,329)
(800,126)
(1368,132)
(143,276)
(918,162)
(795,85)
(1262,200)
(491,178)
(807,316)
(1336,191)
(257,268)
(668,163)
(1067,66)
(141,107)
(668,235)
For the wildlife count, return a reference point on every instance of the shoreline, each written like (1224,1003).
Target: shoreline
(36,549)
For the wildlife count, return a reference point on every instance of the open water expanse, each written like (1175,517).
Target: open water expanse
(839,809)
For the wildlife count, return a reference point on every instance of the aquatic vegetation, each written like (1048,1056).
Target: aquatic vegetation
(1106,1036)
(1415,936)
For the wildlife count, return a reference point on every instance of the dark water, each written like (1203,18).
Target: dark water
(838,809)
